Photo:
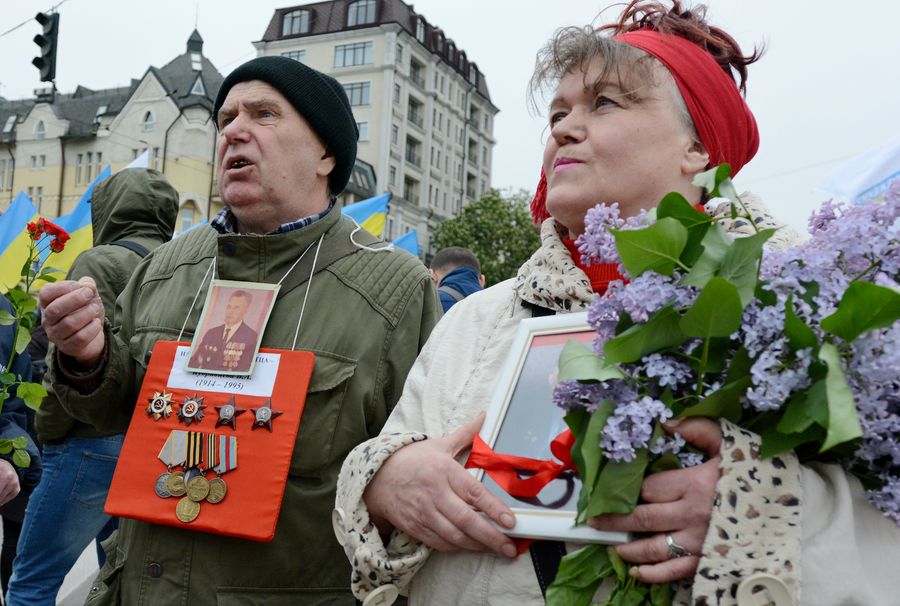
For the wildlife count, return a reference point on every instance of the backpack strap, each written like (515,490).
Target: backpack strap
(454,294)
(132,246)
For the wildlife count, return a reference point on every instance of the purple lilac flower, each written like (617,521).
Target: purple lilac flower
(666,444)
(575,394)
(774,380)
(631,427)
(667,371)
(690,459)
(647,294)
(603,316)
(596,243)
(887,498)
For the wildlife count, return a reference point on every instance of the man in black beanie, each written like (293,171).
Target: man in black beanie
(286,146)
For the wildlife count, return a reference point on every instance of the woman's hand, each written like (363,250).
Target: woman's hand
(675,503)
(422,490)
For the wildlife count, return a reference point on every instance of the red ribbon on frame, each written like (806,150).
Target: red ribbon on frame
(505,469)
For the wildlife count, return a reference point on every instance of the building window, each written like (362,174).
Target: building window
(196,62)
(40,130)
(3,175)
(392,175)
(487,123)
(363,130)
(397,92)
(360,12)
(420,30)
(399,58)
(414,112)
(295,22)
(42,161)
(33,162)
(40,196)
(395,134)
(411,190)
(417,72)
(99,160)
(154,159)
(413,153)
(359,53)
(484,155)
(100,111)
(31,194)
(358,92)
(148,123)
(198,88)
(79,162)
(89,166)
(296,55)
(10,122)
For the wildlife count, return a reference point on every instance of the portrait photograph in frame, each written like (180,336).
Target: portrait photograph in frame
(231,327)
(522,420)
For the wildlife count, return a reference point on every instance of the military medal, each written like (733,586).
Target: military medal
(160,405)
(172,453)
(228,414)
(217,490)
(192,409)
(187,510)
(196,485)
(223,458)
(264,415)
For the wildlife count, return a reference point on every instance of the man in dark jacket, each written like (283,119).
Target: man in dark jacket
(132,213)
(286,147)
(457,274)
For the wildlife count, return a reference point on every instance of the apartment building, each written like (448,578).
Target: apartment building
(423,109)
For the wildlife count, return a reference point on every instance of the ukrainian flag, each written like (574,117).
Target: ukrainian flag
(78,224)
(408,242)
(14,240)
(370,214)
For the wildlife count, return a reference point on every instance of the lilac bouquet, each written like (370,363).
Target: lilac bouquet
(800,346)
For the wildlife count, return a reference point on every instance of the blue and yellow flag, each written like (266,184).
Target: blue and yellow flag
(408,242)
(78,224)
(14,240)
(370,214)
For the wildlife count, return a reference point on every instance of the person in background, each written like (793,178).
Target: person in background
(457,274)
(132,213)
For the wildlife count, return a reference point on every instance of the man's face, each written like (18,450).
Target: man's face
(235,310)
(272,168)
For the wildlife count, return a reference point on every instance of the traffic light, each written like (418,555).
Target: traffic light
(46,63)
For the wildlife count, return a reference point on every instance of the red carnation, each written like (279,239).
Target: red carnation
(57,245)
(35,230)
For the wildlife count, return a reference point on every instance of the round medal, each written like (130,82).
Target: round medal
(175,484)
(187,510)
(197,488)
(161,490)
(217,490)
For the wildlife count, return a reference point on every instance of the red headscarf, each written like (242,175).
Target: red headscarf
(724,123)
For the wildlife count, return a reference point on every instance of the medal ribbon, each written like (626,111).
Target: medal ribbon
(174,450)
(194,450)
(505,469)
(212,451)
(227,454)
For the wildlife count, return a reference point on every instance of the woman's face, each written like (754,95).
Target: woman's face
(606,146)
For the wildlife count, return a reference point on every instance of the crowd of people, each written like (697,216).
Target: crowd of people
(376,502)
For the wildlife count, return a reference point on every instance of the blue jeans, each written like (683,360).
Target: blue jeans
(64,514)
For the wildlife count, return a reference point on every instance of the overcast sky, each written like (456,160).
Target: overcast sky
(827,88)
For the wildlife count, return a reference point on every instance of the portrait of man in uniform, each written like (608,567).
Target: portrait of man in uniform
(231,329)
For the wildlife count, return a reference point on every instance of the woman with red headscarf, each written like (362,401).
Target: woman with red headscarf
(639,108)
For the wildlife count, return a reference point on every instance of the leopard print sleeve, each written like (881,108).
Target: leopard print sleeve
(755,525)
(373,563)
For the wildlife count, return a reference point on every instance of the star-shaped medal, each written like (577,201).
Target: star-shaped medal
(228,414)
(192,409)
(160,405)
(264,415)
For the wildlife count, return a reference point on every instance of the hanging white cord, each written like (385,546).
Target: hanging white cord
(308,284)
(386,247)
(196,296)
(288,272)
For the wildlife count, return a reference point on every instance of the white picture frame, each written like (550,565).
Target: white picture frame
(522,420)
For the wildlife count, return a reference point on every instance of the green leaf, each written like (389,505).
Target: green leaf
(863,307)
(723,403)
(618,564)
(579,575)
(740,365)
(661,594)
(23,338)
(590,450)
(660,332)
(32,394)
(633,596)
(48,278)
(5,446)
(800,336)
(697,223)
(654,248)
(578,362)
(741,263)
(618,486)
(843,422)
(774,442)
(21,458)
(711,179)
(7,378)
(804,409)
(20,442)
(716,312)
(6,318)
(715,244)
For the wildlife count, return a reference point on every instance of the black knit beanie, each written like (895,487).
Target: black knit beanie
(319,98)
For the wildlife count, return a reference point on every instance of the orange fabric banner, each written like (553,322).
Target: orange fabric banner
(255,484)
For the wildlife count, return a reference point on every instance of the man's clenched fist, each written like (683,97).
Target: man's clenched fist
(73,318)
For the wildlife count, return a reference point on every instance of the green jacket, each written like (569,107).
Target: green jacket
(367,316)
(137,205)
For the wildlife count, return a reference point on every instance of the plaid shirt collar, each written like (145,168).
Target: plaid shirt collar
(226,223)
